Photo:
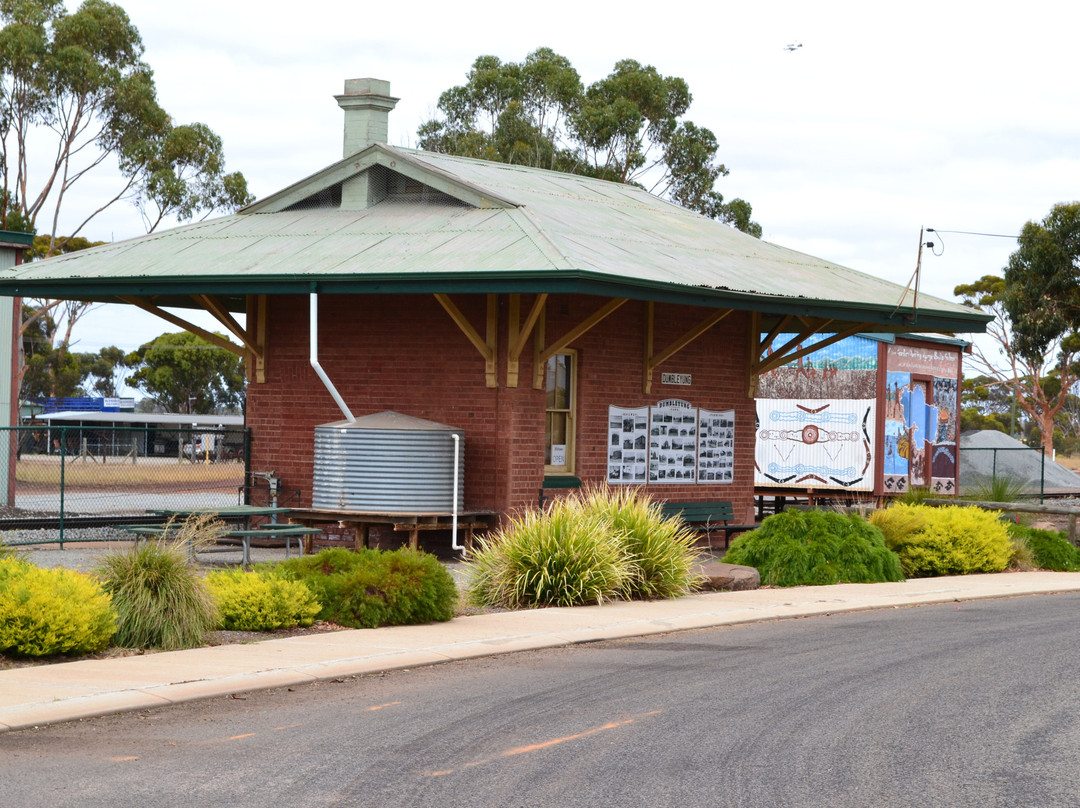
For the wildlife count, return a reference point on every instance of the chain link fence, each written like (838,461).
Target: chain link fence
(1019,470)
(105,471)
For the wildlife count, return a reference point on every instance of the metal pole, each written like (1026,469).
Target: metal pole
(63,460)
(993,472)
(1042,473)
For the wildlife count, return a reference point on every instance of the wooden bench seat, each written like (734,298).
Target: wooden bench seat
(706,517)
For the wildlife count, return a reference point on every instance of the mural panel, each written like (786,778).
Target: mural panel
(815,443)
(920,419)
(846,369)
(816,417)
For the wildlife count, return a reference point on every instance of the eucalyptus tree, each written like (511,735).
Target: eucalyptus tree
(183,372)
(627,127)
(1041,382)
(75,95)
(1042,281)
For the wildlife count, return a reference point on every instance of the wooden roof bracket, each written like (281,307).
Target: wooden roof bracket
(209,336)
(519,336)
(652,361)
(763,364)
(543,354)
(221,313)
(486,347)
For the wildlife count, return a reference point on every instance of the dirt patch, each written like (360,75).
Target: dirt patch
(1071,462)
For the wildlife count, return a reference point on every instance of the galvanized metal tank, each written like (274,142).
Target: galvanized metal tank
(387,463)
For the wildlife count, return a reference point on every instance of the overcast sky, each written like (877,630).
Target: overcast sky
(890,117)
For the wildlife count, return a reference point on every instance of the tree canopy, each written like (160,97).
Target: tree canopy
(185,373)
(627,127)
(1042,281)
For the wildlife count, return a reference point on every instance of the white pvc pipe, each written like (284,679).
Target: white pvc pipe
(457,450)
(314,340)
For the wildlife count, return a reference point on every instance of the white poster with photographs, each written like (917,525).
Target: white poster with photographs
(673,428)
(716,446)
(628,445)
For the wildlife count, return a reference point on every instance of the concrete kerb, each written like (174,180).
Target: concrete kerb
(35,696)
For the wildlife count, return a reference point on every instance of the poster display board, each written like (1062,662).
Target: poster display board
(716,446)
(628,445)
(671,442)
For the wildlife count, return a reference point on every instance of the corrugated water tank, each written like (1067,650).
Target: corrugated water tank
(387,463)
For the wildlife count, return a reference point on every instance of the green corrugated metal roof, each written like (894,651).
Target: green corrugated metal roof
(477,226)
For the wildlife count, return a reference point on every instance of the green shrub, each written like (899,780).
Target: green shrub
(371,588)
(955,541)
(1050,549)
(260,601)
(661,552)
(51,611)
(796,548)
(567,556)
(160,600)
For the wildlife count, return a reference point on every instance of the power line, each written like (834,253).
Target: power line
(970,233)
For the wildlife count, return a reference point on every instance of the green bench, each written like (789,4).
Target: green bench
(706,517)
(556,482)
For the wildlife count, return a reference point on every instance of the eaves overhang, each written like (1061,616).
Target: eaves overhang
(233,291)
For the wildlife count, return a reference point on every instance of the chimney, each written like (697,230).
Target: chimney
(367,104)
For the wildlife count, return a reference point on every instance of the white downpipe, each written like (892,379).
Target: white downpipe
(314,340)
(457,450)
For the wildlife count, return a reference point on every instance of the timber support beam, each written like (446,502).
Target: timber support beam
(544,353)
(486,346)
(653,359)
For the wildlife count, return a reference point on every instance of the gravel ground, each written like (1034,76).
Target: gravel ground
(86,555)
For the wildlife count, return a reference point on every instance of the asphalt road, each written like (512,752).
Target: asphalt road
(964,704)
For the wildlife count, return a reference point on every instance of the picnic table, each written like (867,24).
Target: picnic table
(243,531)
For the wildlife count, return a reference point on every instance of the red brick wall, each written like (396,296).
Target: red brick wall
(404,353)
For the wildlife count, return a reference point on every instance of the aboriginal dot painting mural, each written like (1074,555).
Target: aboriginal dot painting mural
(816,418)
(920,419)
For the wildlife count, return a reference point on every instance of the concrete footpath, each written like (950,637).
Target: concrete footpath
(48,694)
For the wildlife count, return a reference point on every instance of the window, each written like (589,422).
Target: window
(561,381)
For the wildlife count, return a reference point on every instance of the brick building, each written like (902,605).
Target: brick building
(570,327)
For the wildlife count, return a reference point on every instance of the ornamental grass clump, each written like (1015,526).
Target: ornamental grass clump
(797,548)
(568,556)
(1000,488)
(661,552)
(44,612)
(160,600)
(371,588)
(260,600)
(955,540)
